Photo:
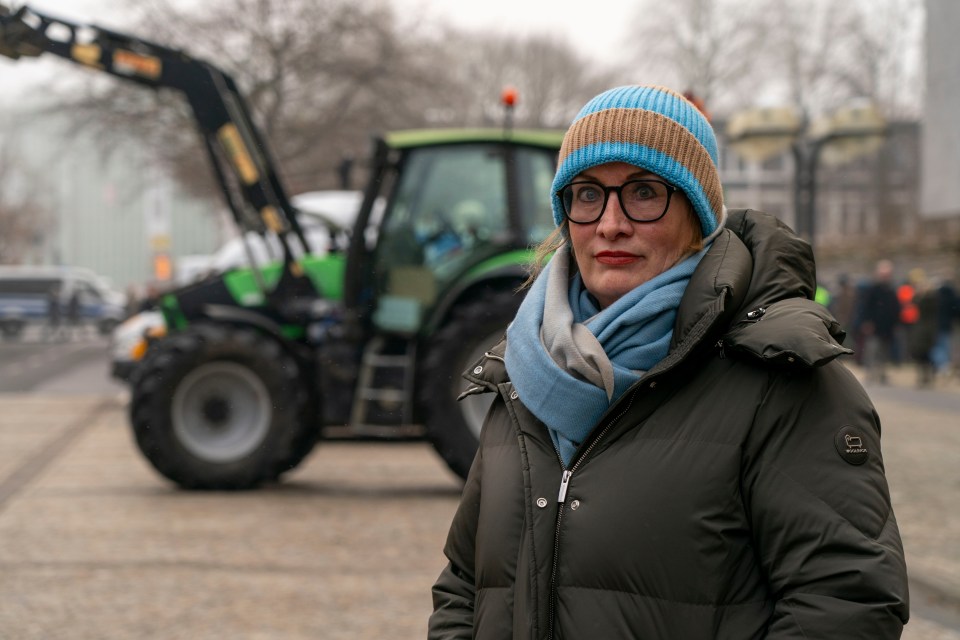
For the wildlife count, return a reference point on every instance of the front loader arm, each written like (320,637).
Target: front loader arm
(241,159)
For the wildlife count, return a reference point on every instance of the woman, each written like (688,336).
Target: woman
(674,451)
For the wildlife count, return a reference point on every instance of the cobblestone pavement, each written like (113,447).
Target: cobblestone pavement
(921,450)
(95,545)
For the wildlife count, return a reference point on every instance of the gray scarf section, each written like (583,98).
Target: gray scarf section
(571,344)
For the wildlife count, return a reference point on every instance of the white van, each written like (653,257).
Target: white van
(27,295)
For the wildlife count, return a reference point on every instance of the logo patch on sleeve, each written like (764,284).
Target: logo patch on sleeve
(851,445)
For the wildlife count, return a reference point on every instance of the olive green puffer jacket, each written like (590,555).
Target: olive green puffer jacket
(737,491)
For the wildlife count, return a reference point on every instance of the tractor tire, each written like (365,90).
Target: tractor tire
(222,408)
(454,427)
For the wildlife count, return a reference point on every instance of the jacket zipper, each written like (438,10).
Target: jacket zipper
(562,499)
(752,317)
(565,482)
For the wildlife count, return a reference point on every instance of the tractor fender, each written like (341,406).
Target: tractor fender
(240,315)
(505,277)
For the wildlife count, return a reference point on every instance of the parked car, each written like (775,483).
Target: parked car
(28,293)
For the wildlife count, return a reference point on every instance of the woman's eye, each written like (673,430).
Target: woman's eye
(640,191)
(589,194)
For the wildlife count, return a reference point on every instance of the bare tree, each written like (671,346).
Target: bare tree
(833,51)
(713,48)
(811,38)
(320,77)
(884,60)
(815,54)
(552,79)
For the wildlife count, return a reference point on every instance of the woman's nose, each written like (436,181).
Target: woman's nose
(613,221)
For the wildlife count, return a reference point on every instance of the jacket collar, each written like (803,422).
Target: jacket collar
(758,282)
(487,372)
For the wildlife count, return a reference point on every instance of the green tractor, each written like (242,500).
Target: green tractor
(252,366)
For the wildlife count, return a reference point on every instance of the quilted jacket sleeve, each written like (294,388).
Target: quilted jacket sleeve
(454,592)
(817,497)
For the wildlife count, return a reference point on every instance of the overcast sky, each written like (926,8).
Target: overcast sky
(600,26)
(599,30)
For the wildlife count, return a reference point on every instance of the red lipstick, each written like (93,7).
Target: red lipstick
(616,258)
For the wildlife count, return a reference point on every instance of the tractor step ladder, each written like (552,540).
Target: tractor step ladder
(374,361)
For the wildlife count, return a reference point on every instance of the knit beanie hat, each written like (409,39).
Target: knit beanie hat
(653,128)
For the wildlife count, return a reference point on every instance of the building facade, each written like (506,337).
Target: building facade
(872,195)
(940,195)
(866,208)
(110,211)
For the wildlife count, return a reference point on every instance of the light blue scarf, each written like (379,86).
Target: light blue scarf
(570,361)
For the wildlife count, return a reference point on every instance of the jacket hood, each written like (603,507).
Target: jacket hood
(759,279)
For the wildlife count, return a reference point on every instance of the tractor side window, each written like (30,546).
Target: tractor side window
(535,170)
(450,201)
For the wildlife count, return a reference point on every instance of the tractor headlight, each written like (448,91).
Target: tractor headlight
(129,340)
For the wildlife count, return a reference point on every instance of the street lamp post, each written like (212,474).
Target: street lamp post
(806,155)
(758,134)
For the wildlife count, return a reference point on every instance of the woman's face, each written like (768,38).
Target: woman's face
(616,254)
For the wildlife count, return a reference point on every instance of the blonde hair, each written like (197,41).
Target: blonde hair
(542,252)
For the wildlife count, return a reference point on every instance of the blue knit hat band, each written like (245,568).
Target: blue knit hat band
(652,128)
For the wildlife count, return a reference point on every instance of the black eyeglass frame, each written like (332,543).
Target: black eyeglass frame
(606,197)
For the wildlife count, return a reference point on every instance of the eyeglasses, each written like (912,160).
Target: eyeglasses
(640,200)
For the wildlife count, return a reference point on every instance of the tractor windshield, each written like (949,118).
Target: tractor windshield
(453,207)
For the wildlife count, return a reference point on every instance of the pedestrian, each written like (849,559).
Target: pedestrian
(948,314)
(880,316)
(843,304)
(922,332)
(822,295)
(673,450)
(908,315)
(856,336)
(73,313)
(54,313)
